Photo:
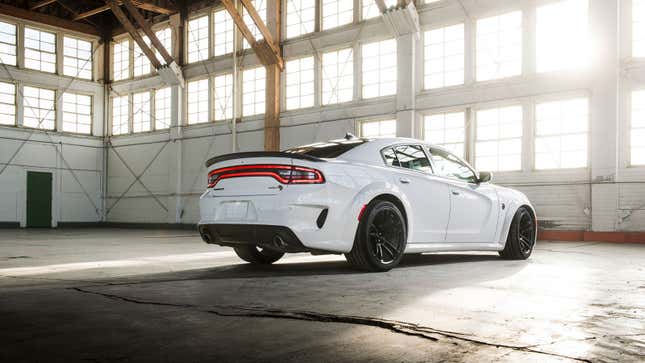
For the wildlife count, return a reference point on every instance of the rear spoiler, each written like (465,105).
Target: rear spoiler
(260,154)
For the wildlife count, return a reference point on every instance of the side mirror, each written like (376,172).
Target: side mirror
(485,176)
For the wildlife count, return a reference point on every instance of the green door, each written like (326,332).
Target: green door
(39,199)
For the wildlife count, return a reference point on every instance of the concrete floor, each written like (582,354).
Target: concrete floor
(133,295)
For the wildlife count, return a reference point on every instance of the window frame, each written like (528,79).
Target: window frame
(91,61)
(22,43)
(92,108)
(464,162)
(14,104)
(16,27)
(54,110)
(423,147)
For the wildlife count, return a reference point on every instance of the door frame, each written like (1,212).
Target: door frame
(22,202)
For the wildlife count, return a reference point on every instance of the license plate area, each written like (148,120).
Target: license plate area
(233,210)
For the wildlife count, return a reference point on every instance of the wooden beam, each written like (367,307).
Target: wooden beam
(48,19)
(143,24)
(263,50)
(42,3)
(120,15)
(138,3)
(266,34)
(273,87)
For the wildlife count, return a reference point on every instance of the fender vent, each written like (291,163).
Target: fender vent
(322,217)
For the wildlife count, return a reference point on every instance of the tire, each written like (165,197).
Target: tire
(380,239)
(256,255)
(521,236)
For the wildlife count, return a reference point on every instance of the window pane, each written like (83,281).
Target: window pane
(562,35)
(499,46)
(7,103)
(253,91)
(197,39)
(7,43)
(299,83)
(301,17)
(449,166)
(561,134)
(261,8)
(121,60)
(141,62)
(120,115)
(638,128)
(40,50)
(446,130)
(499,139)
(223,26)
(77,58)
(444,57)
(379,68)
(162,108)
(165,37)
(141,112)
(382,128)
(197,101)
(223,98)
(337,76)
(39,108)
(412,157)
(77,113)
(336,13)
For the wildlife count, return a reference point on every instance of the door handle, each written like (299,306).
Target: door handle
(404,180)
(454,192)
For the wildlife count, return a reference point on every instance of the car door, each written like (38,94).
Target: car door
(474,206)
(430,200)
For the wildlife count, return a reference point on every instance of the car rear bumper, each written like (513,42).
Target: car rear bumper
(277,238)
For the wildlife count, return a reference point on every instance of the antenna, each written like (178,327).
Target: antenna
(349,136)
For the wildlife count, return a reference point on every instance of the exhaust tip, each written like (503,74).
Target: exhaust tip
(279,242)
(206,237)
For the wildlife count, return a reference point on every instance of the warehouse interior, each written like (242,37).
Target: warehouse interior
(109,110)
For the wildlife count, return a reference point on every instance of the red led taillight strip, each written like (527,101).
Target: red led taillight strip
(290,175)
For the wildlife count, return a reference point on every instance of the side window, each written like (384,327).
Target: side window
(412,157)
(450,166)
(390,157)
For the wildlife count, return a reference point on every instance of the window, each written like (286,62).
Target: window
(77,60)
(638,128)
(253,86)
(7,43)
(165,37)
(299,83)
(197,101)
(328,150)
(499,139)
(141,62)
(197,39)
(7,104)
(224,28)
(120,115)
(379,68)
(411,157)
(562,35)
(121,60)
(40,50)
(223,98)
(382,128)
(77,113)
(638,28)
(444,57)
(337,76)
(162,108)
(39,108)
(447,130)
(449,166)
(301,17)
(261,8)
(370,10)
(499,46)
(561,134)
(141,112)
(336,13)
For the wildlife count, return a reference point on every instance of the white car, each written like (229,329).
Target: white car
(373,200)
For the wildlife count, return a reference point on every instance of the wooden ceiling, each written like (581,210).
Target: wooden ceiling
(89,16)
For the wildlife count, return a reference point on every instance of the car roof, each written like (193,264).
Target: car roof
(370,151)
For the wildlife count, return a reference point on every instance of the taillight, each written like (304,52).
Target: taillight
(285,174)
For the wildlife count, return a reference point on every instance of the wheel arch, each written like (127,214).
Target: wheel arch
(509,220)
(396,201)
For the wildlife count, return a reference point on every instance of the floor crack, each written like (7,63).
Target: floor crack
(395,326)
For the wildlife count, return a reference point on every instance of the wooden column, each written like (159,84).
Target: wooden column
(273,84)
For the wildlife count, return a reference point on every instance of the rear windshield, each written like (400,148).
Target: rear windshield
(329,149)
